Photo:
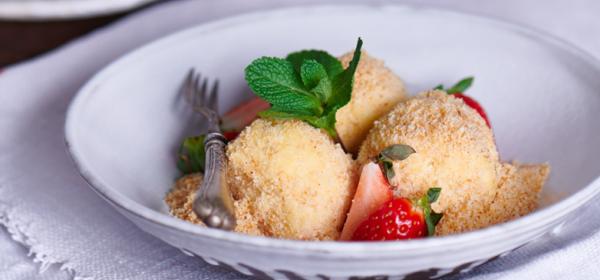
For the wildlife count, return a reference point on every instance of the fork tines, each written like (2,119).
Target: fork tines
(196,91)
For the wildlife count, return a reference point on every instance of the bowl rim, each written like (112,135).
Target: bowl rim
(489,234)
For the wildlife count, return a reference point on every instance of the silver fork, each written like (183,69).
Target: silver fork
(213,203)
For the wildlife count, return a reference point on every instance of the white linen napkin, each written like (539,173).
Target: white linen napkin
(50,210)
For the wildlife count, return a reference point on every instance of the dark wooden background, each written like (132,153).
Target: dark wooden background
(20,40)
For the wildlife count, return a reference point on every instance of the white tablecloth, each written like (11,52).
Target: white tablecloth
(51,217)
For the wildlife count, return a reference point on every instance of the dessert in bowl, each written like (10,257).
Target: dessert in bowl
(125,127)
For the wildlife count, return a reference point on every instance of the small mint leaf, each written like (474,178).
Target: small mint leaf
(332,65)
(312,73)
(397,152)
(439,87)
(323,90)
(461,86)
(274,80)
(326,123)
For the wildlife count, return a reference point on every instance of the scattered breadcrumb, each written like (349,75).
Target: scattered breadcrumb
(375,92)
(181,198)
(518,191)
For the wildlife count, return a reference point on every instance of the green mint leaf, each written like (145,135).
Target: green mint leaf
(332,65)
(397,152)
(323,122)
(274,80)
(461,86)
(308,85)
(439,87)
(326,122)
(191,155)
(276,113)
(312,73)
(315,78)
(343,82)
(323,90)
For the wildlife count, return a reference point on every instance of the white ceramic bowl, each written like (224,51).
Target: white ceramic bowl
(541,94)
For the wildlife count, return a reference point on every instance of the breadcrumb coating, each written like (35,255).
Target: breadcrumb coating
(455,151)
(375,92)
(291,179)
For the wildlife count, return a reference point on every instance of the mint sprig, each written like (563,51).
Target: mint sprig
(308,85)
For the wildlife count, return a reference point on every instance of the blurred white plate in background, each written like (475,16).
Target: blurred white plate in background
(63,9)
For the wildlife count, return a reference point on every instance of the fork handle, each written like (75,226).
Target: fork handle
(214,204)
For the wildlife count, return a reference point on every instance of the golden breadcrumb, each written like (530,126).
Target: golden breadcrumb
(455,151)
(291,180)
(181,198)
(518,191)
(375,92)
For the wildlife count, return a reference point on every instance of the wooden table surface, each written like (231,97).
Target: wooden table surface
(20,40)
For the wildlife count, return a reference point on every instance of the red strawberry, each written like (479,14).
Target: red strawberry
(458,90)
(234,121)
(475,105)
(401,218)
(373,190)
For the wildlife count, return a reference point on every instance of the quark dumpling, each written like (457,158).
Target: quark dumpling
(375,92)
(455,151)
(291,180)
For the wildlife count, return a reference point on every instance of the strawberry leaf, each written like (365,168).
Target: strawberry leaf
(461,86)
(433,194)
(388,169)
(398,152)
(394,152)
(191,155)
(431,217)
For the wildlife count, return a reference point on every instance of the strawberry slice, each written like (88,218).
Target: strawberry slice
(373,190)
(458,90)
(401,218)
(234,121)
